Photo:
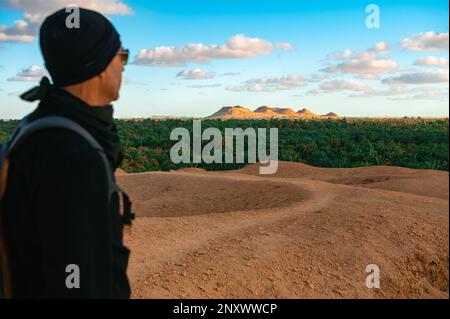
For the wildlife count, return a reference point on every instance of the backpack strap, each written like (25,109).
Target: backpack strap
(26,129)
(128,216)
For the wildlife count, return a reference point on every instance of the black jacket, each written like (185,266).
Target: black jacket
(57,213)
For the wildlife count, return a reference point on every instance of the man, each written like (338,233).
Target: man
(58,219)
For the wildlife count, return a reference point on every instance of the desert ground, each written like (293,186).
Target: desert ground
(303,232)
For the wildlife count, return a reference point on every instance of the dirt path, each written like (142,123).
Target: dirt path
(240,235)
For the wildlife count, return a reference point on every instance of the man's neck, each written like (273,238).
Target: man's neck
(87,95)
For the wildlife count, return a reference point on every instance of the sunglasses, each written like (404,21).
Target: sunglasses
(124,54)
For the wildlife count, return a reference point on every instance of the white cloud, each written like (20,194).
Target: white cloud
(402,92)
(34,12)
(364,65)
(317,77)
(287,82)
(22,31)
(380,47)
(432,61)
(426,41)
(369,76)
(32,73)
(238,46)
(339,85)
(364,62)
(286,46)
(405,69)
(340,55)
(420,77)
(195,74)
(394,89)
(436,94)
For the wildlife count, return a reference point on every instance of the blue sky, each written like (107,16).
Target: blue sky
(253,53)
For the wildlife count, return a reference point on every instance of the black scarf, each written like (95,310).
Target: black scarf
(96,120)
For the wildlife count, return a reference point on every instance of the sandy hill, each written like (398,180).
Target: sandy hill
(304,232)
(232,111)
(275,111)
(306,113)
(331,115)
(240,112)
(285,111)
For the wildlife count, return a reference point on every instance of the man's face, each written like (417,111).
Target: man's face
(111,79)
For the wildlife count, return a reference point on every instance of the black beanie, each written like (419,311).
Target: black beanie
(74,55)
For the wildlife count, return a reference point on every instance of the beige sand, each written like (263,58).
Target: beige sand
(304,232)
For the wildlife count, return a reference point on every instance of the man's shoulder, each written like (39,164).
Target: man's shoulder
(57,144)
(55,154)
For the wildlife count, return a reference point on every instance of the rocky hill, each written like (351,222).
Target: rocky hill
(241,112)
